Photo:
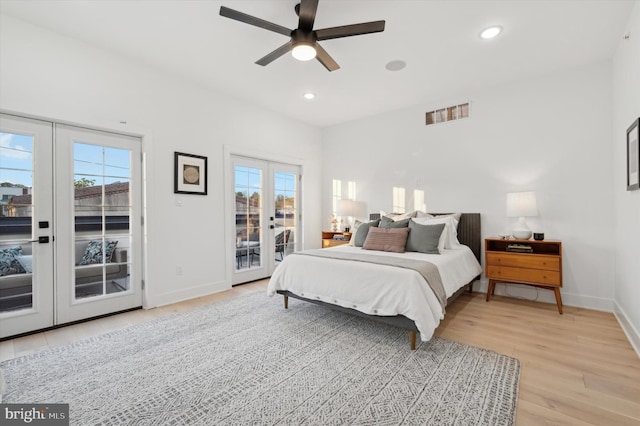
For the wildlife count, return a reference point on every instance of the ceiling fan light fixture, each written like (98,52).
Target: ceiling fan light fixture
(303,51)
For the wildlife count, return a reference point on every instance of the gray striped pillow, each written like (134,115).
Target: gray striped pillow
(386,239)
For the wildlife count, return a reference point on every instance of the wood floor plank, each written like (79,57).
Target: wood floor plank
(578,391)
(85,330)
(574,405)
(6,350)
(531,414)
(29,344)
(60,336)
(612,343)
(621,387)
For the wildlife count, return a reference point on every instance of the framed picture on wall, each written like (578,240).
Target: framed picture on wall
(633,156)
(190,174)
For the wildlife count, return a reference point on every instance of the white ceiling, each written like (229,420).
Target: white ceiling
(437,38)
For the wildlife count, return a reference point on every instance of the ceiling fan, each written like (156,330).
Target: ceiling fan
(304,40)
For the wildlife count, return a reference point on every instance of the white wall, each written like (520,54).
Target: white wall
(49,75)
(551,135)
(626,108)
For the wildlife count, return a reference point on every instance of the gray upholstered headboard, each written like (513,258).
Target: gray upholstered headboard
(468,231)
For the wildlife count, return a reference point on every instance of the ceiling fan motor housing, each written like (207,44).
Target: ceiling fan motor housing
(302,37)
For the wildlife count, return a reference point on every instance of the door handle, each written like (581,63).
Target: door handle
(271,226)
(41,240)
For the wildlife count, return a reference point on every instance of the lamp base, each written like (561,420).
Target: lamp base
(521,230)
(521,234)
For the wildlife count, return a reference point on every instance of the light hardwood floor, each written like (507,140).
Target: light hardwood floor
(577,368)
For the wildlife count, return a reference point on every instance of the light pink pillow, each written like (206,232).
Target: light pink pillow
(386,239)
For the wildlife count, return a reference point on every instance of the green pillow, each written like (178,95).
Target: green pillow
(386,222)
(361,230)
(424,238)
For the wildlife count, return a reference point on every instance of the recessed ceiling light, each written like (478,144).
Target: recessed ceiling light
(395,65)
(491,32)
(309,95)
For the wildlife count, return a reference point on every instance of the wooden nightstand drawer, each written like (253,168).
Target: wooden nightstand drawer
(524,275)
(519,260)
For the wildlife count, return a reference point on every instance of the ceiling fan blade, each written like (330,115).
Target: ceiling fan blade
(307,14)
(266,60)
(350,30)
(325,59)
(252,20)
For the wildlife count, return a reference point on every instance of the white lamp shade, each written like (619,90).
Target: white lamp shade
(520,204)
(346,208)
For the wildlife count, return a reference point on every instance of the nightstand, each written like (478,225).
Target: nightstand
(541,268)
(328,241)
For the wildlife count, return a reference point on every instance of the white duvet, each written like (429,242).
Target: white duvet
(377,289)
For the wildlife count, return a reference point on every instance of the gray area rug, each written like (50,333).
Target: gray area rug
(250,361)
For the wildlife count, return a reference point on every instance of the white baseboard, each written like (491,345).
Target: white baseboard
(628,328)
(185,294)
(547,296)
(587,302)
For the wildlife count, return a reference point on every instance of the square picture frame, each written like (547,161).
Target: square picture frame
(633,156)
(190,172)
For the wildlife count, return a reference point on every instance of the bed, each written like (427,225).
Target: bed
(398,296)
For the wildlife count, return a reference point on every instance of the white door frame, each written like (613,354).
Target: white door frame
(229,194)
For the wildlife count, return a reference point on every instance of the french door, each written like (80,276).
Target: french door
(266,216)
(70,221)
(26,264)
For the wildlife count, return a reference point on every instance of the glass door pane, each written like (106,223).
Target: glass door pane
(248,213)
(16,207)
(285,204)
(102,211)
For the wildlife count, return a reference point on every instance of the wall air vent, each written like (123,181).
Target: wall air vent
(442,115)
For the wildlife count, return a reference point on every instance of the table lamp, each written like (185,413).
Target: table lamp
(520,205)
(347,209)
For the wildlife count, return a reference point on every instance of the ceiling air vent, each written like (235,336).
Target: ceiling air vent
(442,115)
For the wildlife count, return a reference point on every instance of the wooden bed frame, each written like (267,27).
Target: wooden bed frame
(468,234)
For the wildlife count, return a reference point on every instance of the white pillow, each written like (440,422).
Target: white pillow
(354,230)
(456,216)
(449,237)
(423,214)
(396,217)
